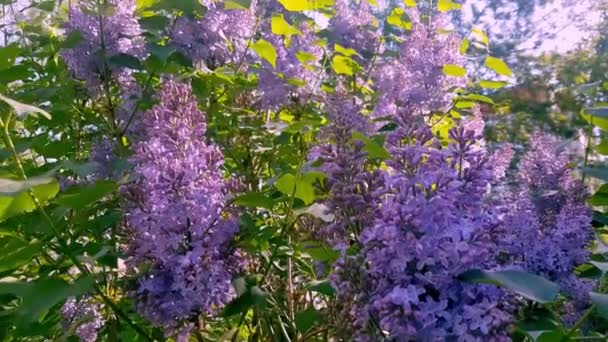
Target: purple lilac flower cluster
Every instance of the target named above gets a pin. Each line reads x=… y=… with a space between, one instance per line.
x=84 y=316
x=415 y=80
x=220 y=37
x=182 y=234
x=297 y=76
x=355 y=26
x=107 y=31
x=429 y=218
x=343 y=159
x=547 y=230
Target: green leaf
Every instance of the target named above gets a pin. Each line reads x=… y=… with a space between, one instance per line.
x=399 y=18
x=280 y=26
x=601 y=302
x=286 y=184
x=80 y=197
x=479 y=98
x=343 y=65
x=22 y=203
x=10 y=187
x=345 y=51
x=72 y=40
x=602 y=148
x=255 y=200
x=307 y=319
x=155 y=22
x=601 y=266
x=15 y=73
x=448 y=5
x=499 y=66
x=8 y=54
x=22 y=110
x=374 y=150
x=410 y=3
x=464 y=46
x=39 y=296
x=305 y=57
x=525 y=284
x=237 y=4
x=595 y=120
x=492 y=84
x=454 y=70
x=253 y=296
x=480 y=36
x=266 y=51
x=305 y=5
x=321 y=286
x=303 y=189
x=127 y=61
x=16 y=252
x=600 y=198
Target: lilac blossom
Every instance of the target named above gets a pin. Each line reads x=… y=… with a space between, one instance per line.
x=181 y=232
x=350 y=185
x=297 y=76
x=221 y=36
x=547 y=230
x=103 y=36
x=84 y=317
x=433 y=226
x=355 y=26
x=415 y=80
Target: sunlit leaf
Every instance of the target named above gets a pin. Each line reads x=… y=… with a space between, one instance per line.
x=454 y=70
x=345 y=51
x=448 y=5
x=492 y=84
x=399 y=18
x=280 y=26
x=305 y=5
x=345 y=65
x=22 y=110
x=10 y=187
x=266 y=50
x=498 y=65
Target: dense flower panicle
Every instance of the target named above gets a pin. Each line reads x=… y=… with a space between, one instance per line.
x=355 y=26
x=220 y=37
x=350 y=186
x=501 y=160
x=103 y=36
x=415 y=80
x=180 y=229
x=297 y=77
x=433 y=226
x=85 y=316
x=547 y=230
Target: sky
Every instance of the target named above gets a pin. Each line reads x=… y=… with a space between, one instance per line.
x=561 y=18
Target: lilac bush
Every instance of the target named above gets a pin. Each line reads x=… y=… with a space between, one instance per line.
x=321 y=171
